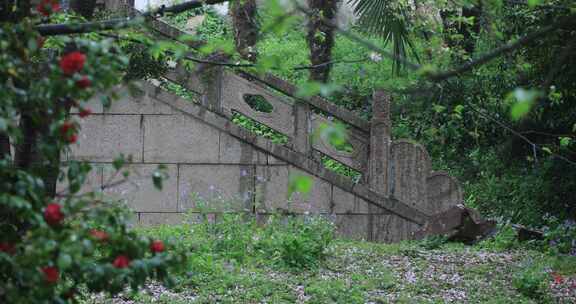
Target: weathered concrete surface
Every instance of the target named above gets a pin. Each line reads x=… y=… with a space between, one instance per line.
x=179 y=139
x=139 y=191
x=103 y=137
x=216 y=188
x=160 y=218
x=233 y=151
x=272 y=192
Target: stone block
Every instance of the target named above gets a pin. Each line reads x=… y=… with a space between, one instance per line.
x=390 y=228
x=102 y=138
x=157 y=218
x=234 y=151
x=272 y=192
x=275 y=161
x=353 y=226
x=179 y=139
x=139 y=191
x=216 y=188
x=346 y=202
x=138 y=100
x=93 y=181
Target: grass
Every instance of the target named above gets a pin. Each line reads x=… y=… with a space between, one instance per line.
x=298 y=260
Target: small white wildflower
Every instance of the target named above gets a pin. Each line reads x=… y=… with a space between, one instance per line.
x=375 y=57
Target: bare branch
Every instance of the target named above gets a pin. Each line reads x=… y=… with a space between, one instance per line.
x=88 y=27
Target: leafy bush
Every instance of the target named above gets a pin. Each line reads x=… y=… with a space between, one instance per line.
x=57 y=240
x=532 y=282
x=284 y=241
x=560 y=236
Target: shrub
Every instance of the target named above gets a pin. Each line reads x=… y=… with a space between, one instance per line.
x=532 y=282
x=53 y=243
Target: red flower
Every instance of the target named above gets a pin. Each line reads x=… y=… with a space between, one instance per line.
x=157 y=246
x=67 y=130
x=558 y=279
x=53 y=215
x=47 y=7
x=83 y=82
x=85 y=112
x=72 y=62
x=121 y=261
x=51 y=274
x=7 y=248
x=99 y=235
x=72 y=138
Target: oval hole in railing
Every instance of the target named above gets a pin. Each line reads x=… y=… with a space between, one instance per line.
x=258 y=103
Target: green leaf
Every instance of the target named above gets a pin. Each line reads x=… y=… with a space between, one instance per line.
x=118 y=162
x=300 y=183
x=438 y=108
x=308 y=89
x=3 y=125
x=64 y=261
x=547 y=150
x=523 y=100
x=565 y=141
x=533 y=3
x=157 y=180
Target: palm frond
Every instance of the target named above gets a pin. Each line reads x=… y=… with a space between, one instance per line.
x=387 y=20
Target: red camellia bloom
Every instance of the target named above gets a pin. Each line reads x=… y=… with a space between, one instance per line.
x=67 y=130
x=85 y=112
x=51 y=274
x=47 y=7
x=99 y=235
x=121 y=261
x=72 y=138
x=72 y=62
x=7 y=248
x=53 y=215
x=157 y=246
x=84 y=82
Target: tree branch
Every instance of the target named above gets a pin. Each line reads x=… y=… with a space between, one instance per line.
x=88 y=27
x=436 y=77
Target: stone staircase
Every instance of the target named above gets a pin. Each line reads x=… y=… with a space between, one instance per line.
x=214 y=161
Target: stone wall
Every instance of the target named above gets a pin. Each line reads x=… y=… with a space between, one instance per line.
x=210 y=169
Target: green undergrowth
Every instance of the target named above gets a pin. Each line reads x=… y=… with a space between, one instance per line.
x=235 y=259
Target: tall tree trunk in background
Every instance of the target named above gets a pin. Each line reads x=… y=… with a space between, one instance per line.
x=469 y=32
x=321 y=37
x=244 y=18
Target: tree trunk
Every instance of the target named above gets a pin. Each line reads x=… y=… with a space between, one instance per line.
x=244 y=18
x=85 y=8
x=321 y=37
x=7 y=12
